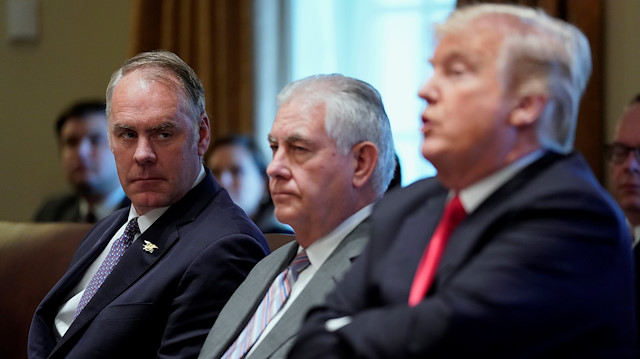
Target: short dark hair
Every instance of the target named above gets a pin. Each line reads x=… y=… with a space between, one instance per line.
x=79 y=109
x=242 y=141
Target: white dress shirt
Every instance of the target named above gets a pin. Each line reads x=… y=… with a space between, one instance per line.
x=473 y=196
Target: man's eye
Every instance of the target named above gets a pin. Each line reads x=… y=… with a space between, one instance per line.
x=164 y=135
x=456 y=69
x=128 y=135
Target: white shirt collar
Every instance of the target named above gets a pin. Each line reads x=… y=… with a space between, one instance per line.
x=472 y=196
x=321 y=249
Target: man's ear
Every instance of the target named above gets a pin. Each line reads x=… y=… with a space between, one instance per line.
x=366 y=158
x=528 y=110
x=204 y=134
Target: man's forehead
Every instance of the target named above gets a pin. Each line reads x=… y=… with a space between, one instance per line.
x=473 y=46
x=629 y=124
x=627 y=131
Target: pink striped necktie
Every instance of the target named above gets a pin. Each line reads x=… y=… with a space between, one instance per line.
x=116 y=251
x=453 y=213
x=272 y=302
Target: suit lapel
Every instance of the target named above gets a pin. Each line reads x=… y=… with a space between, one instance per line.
x=459 y=247
x=314 y=293
x=416 y=229
x=135 y=262
x=245 y=301
x=79 y=267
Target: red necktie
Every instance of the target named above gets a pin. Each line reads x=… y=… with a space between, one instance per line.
x=453 y=214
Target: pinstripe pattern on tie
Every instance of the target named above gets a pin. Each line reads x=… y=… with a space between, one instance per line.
x=113 y=257
x=272 y=302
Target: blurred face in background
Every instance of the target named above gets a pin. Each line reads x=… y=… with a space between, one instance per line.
x=87 y=161
x=625 y=164
x=234 y=167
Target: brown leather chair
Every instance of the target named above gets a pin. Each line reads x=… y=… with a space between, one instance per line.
x=33 y=256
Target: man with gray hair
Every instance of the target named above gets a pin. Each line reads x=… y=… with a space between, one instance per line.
x=149 y=280
x=514 y=250
x=332 y=159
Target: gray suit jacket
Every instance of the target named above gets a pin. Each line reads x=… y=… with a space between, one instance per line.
x=239 y=309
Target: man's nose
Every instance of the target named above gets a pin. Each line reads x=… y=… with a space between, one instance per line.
x=144 y=151
x=278 y=167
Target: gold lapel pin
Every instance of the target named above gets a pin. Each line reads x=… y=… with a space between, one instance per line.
x=149 y=247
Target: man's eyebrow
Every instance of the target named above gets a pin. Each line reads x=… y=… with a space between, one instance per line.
x=450 y=56
x=162 y=126
x=122 y=126
x=290 y=139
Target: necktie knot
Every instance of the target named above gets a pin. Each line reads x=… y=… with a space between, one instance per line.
x=453 y=213
x=132 y=229
x=299 y=263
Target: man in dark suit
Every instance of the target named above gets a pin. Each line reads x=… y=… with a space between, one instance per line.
x=531 y=258
x=332 y=158
x=624 y=166
x=149 y=280
x=89 y=167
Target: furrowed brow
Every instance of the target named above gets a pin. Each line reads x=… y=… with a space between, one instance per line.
x=162 y=126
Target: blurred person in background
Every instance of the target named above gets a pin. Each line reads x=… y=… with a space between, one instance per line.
x=88 y=165
x=238 y=165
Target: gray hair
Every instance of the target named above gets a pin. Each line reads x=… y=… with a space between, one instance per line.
x=540 y=55
x=354 y=113
x=167 y=67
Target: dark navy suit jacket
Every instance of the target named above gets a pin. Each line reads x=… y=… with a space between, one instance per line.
x=541 y=269
x=159 y=304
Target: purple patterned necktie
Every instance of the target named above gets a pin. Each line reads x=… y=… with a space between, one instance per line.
x=272 y=302
x=116 y=251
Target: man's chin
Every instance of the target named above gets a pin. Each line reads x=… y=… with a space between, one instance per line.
x=285 y=216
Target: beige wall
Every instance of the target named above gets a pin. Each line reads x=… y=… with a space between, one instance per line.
x=622 y=59
x=82 y=42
